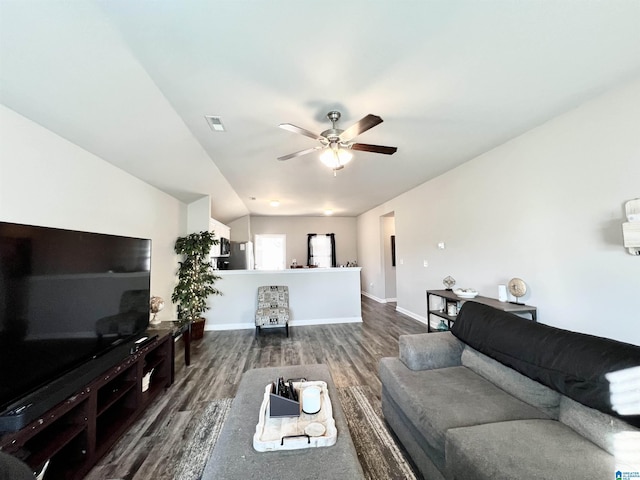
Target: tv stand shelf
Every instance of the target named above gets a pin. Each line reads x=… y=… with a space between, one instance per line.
x=116 y=394
x=74 y=434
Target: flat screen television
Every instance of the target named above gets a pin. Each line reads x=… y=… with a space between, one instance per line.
x=70 y=303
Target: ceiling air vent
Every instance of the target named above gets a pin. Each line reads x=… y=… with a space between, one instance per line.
x=215 y=123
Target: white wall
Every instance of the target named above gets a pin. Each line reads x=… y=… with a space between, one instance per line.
x=297 y=228
x=46 y=180
x=241 y=229
x=199 y=215
x=546 y=207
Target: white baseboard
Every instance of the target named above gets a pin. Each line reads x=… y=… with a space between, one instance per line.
x=404 y=311
x=229 y=326
x=408 y=313
x=324 y=321
x=372 y=297
x=293 y=323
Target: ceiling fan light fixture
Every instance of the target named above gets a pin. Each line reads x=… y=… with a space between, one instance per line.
x=336 y=144
x=336 y=158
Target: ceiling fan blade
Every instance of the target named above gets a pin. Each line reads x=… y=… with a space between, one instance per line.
x=301 y=131
x=300 y=153
x=364 y=147
x=363 y=125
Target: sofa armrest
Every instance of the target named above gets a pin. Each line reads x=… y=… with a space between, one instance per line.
x=427 y=351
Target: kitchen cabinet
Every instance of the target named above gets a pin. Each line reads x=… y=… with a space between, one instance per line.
x=220 y=229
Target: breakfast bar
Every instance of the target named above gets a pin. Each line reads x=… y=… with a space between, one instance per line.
x=317 y=296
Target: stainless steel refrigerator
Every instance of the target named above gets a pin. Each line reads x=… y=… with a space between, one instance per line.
x=241 y=256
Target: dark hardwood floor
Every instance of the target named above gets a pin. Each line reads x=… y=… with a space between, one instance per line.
x=352 y=351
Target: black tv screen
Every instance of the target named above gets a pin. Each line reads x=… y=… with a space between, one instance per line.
x=66 y=297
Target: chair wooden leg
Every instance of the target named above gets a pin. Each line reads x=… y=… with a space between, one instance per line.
x=287 y=328
x=257 y=330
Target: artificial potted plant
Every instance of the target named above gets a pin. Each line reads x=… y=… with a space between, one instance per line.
x=196 y=279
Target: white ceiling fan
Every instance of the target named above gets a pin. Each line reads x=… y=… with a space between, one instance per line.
x=337 y=143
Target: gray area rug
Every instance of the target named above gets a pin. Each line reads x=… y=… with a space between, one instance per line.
x=379 y=455
x=199 y=446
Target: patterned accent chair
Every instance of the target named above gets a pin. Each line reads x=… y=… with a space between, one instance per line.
x=273 y=307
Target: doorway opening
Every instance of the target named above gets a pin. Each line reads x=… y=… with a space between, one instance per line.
x=389 y=259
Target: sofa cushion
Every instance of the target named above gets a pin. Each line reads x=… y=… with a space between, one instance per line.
x=412 y=439
x=512 y=382
x=437 y=400
x=430 y=350
x=597 y=426
x=571 y=363
x=540 y=449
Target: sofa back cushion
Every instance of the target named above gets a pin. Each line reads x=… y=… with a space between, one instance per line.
x=571 y=363
x=426 y=351
x=518 y=385
x=602 y=429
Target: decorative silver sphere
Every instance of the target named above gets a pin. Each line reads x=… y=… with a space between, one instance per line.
x=449 y=282
x=156 y=304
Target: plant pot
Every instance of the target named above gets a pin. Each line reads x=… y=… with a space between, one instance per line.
x=197 y=329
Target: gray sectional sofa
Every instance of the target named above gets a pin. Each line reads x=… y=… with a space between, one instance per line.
x=501 y=397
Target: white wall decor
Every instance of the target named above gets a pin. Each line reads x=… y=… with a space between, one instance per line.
x=631 y=228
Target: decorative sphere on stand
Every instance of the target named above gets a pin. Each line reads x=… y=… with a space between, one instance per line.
x=449 y=282
x=155 y=305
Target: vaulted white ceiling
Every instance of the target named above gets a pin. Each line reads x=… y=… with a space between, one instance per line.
x=131 y=82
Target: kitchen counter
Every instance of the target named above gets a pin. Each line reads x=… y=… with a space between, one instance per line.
x=317 y=296
x=290 y=270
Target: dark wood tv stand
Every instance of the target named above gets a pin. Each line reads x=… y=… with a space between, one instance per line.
x=74 y=434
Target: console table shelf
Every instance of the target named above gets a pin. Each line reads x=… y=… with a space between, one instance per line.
x=74 y=434
x=448 y=297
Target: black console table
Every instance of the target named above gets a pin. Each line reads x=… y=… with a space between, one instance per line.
x=451 y=298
